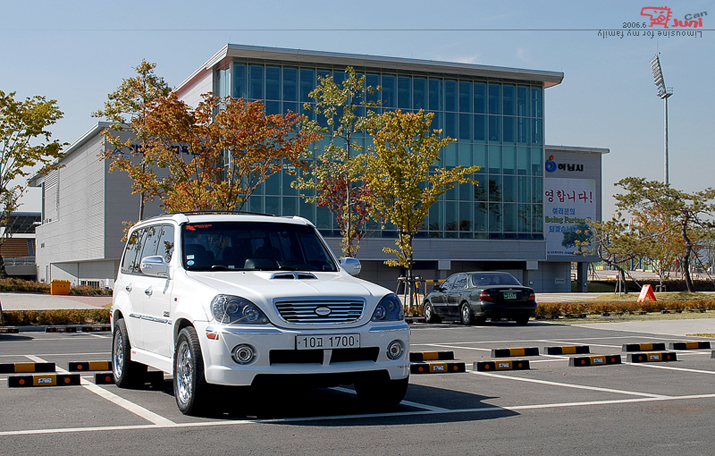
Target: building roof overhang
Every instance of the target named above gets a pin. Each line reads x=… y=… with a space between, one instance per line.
x=230 y=51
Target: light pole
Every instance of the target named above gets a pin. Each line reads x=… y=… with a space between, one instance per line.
x=664 y=93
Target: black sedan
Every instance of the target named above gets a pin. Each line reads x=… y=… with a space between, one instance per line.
x=473 y=297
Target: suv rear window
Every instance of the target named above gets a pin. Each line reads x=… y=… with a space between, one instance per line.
x=253 y=246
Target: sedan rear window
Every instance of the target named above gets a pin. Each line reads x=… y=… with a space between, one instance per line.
x=481 y=280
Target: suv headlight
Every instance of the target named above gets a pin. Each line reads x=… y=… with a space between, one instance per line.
x=232 y=309
x=389 y=309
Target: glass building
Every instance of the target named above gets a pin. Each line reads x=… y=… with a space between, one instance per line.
x=496 y=115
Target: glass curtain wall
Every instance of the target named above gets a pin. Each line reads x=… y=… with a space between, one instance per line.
x=498 y=126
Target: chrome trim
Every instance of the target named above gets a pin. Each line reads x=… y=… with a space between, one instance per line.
x=243 y=330
x=390 y=328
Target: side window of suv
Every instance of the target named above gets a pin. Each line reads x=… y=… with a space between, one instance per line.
x=151 y=241
x=130 y=262
x=165 y=246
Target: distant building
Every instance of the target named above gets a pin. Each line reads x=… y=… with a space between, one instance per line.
x=495 y=113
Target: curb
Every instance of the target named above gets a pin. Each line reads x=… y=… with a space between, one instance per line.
x=643 y=347
x=16 y=368
x=437 y=368
x=652 y=357
x=568 y=350
x=506 y=352
x=693 y=345
x=594 y=360
x=431 y=356
x=511 y=364
x=25 y=381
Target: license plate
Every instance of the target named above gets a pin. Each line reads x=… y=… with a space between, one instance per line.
x=327 y=342
x=509 y=295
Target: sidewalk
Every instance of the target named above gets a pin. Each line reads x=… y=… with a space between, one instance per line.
x=36 y=301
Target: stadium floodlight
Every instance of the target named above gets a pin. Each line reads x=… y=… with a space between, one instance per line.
x=663 y=93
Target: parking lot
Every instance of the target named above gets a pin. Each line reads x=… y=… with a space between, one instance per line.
x=627 y=408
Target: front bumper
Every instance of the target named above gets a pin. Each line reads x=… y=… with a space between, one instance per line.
x=276 y=354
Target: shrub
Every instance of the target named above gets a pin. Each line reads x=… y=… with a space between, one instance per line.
x=563 y=308
x=56 y=317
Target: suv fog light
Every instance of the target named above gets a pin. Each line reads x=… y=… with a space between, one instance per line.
x=243 y=354
x=395 y=349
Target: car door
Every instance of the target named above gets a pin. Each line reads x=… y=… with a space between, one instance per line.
x=455 y=295
x=126 y=290
x=156 y=318
x=439 y=298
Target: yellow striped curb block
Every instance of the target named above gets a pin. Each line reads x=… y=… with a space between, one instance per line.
x=104 y=378
x=568 y=350
x=509 y=364
x=436 y=367
x=8 y=330
x=16 y=368
x=431 y=356
x=507 y=352
x=643 y=347
x=652 y=357
x=96 y=328
x=594 y=360
x=90 y=366
x=692 y=345
x=23 y=381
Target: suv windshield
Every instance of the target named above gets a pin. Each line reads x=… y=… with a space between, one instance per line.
x=253 y=246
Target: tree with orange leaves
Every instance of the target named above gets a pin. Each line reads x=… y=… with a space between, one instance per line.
x=212 y=157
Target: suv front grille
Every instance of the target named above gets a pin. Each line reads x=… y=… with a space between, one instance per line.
x=320 y=312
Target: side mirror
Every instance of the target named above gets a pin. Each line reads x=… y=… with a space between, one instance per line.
x=437 y=288
x=154 y=266
x=351 y=265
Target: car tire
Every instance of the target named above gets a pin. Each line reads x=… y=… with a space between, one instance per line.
x=190 y=388
x=429 y=313
x=465 y=314
x=522 y=321
x=126 y=372
x=381 y=393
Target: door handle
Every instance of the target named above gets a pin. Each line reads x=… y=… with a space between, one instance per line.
x=148 y=292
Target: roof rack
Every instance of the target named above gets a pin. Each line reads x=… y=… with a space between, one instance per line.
x=220 y=212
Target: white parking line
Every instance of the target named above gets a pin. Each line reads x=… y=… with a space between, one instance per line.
x=408 y=403
x=681 y=369
x=491 y=409
x=113 y=398
x=569 y=385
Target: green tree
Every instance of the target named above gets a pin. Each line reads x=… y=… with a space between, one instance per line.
x=616 y=244
x=683 y=212
x=127 y=108
x=25 y=145
x=404 y=179
x=344 y=115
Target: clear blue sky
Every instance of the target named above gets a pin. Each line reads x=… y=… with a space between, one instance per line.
x=78 y=51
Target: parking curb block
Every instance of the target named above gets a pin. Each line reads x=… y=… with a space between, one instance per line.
x=24 y=381
x=104 y=378
x=61 y=329
x=90 y=366
x=506 y=352
x=431 y=356
x=568 y=350
x=594 y=360
x=17 y=368
x=6 y=330
x=434 y=367
x=96 y=328
x=510 y=364
x=692 y=345
x=643 y=347
x=652 y=357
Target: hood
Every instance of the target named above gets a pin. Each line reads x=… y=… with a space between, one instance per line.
x=266 y=286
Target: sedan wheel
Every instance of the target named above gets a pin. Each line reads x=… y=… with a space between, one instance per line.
x=429 y=313
x=465 y=314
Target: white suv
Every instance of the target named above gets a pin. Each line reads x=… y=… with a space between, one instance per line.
x=227 y=299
